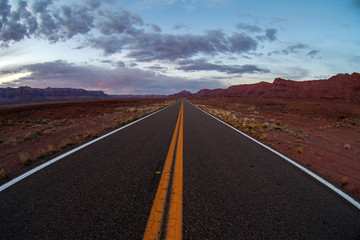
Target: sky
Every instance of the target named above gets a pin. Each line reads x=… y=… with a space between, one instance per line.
x=166 y=46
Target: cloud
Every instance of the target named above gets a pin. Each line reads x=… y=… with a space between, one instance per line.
x=271 y=34
x=178 y=26
x=93 y=3
x=291 y=49
x=118 y=64
x=40 y=6
x=114 y=31
x=146 y=47
x=312 y=53
x=74 y=20
x=121 y=21
x=249 y=28
x=114 y=81
x=15 y=25
x=43 y=20
x=158 y=68
x=203 y=65
x=155 y=28
x=295 y=73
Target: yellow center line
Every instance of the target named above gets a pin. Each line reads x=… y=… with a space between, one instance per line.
x=174 y=226
x=155 y=221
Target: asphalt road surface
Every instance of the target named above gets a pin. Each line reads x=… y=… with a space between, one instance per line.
x=232 y=188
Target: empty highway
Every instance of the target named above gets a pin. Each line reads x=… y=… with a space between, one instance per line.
x=177 y=174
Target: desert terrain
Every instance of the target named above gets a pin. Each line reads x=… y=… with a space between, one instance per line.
x=31 y=134
x=322 y=135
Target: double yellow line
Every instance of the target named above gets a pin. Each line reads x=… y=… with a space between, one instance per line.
x=155 y=222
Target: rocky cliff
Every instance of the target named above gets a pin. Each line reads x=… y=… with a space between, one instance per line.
x=341 y=86
x=28 y=94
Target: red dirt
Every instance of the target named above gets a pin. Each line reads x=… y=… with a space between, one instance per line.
x=322 y=135
x=41 y=131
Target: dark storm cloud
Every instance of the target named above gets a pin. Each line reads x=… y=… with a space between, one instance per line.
x=312 y=53
x=116 y=81
x=291 y=49
x=249 y=28
x=203 y=65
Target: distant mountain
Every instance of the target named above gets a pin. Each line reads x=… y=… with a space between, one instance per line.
x=341 y=86
x=181 y=94
x=138 y=96
x=28 y=94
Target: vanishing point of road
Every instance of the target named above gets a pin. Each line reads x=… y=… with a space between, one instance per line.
x=177 y=174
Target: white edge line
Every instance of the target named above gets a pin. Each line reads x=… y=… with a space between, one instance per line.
x=320 y=179
x=38 y=168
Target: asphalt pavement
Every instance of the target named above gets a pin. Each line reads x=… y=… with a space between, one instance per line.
x=233 y=188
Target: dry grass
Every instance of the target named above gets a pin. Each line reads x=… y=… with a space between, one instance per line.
x=3 y=173
x=41 y=154
x=24 y=158
x=300 y=149
x=344 y=181
x=66 y=143
x=51 y=149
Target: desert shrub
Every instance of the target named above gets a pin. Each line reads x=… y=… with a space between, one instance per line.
x=41 y=154
x=51 y=149
x=344 y=181
x=38 y=132
x=24 y=158
x=30 y=136
x=66 y=143
x=3 y=173
x=300 y=149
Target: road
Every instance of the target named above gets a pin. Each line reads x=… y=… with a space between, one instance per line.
x=225 y=185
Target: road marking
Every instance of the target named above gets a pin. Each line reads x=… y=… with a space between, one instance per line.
x=174 y=226
x=157 y=214
x=25 y=175
x=320 y=179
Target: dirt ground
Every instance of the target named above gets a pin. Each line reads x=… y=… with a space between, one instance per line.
x=33 y=133
x=324 y=136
